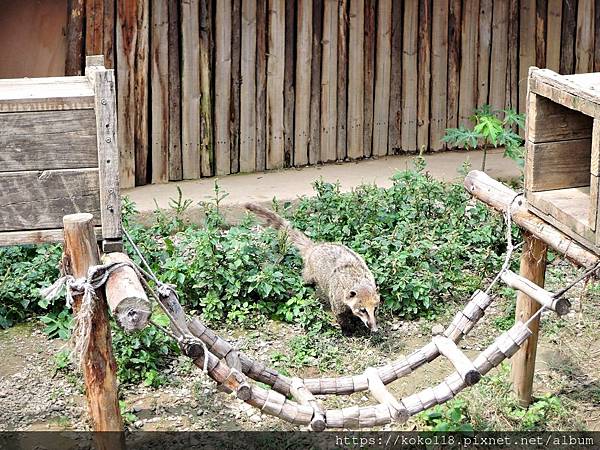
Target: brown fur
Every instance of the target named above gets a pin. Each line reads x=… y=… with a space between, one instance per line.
x=340 y=273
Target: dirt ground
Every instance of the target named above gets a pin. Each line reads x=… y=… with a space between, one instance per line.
x=35 y=396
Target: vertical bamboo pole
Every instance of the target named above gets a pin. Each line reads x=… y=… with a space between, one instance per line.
x=533 y=267
x=99 y=366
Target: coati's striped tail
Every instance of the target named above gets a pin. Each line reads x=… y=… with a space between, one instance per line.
x=299 y=239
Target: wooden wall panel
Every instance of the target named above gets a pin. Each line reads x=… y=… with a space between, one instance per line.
x=424 y=68
x=484 y=50
x=584 y=43
x=303 y=77
x=248 y=88
x=409 y=76
x=222 y=87
x=329 y=81
x=468 y=67
x=381 y=109
x=498 y=72
x=439 y=73
x=454 y=30
x=395 y=117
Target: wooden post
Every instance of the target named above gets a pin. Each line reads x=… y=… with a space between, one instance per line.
x=99 y=366
x=533 y=267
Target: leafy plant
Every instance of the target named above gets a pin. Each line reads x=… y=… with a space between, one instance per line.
x=310 y=349
x=62 y=360
x=451 y=417
x=127 y=414
x=58 y=324
x=538 y=413
x=142 y=355
x=490 y=129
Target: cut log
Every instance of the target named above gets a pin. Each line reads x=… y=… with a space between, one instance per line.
x=561 y=305
x=499 y=196
x=459 y=360
x=125 y=295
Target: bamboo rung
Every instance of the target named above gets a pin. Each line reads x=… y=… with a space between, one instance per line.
x=382 y=395
x=305 y=397
x=274 y=403
x=561 y=306
x=459 y=360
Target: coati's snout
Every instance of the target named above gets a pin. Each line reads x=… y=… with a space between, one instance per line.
x=364 y=302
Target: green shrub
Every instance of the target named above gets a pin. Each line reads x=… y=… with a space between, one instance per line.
x=451 y=417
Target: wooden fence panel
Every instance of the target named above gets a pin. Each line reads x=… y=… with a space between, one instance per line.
x=211 y=87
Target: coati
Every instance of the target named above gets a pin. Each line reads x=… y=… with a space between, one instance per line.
x=340 y=273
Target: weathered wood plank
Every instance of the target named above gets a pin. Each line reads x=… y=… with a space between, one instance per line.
x=548 y=121
x=33 y=200
x=108 y=154
x=369 y=18
x=454 y=30
x=159 y=76
x=289 y=99
x=275 y=75
x=45 y=94
x=132 y=90
x=94 y=30
x=584 y=43
x=314 y=149
x=569 y=160
x=109 y=33
x=48 y=140
x=381 y=109
x=234 y=106
x=342 y=80
x=248 y=88
x=541 y=17
x=329 y=82
x=395 y=116
x=568 y=34
x=424 y=78
x=526 y=47
x=303 y=76
x=483 y=54
x=439 y=74
x=468 y=67
x=512 y=76
x=35 y=237
x=261 y=84
x=409 y=76
x=190 y=90
x=553 y=34
x=356 y=74
x=207 y=158
x=174 y=96
x=499 y=56
x=596 y=38
x=222 y=87
x=74 y=59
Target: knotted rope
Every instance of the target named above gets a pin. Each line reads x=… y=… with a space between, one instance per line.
x=86 y=287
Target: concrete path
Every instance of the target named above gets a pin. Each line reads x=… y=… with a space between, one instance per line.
x=289 y=184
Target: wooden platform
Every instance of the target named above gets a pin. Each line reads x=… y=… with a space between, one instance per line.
x=562 y=167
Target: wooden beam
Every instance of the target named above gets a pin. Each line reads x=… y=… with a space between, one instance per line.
x=395 y=116
x=289 y=98
x=98 y=364
x=329 y=81
x=584 y=44
x=533 y=268
x=553 y=34
x=342 y=80
x=454 y=29
x=439 y=74
x=468 y=57
x=368 y=19
x=314 y=149
x=275 y=75
x=560 y=306
x=174 y=96
x=381 y=109
x=424 y=77
x=409 y=76
x=499 y=196
x=497 y=99
x=207 y=151
x=261 y=84
x=568 y=34
x=236 y=81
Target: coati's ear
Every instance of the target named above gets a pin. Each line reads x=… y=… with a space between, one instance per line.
x=352 y=294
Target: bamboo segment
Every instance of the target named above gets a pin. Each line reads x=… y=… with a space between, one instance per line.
x=459 y=360
x=305 y=397
x=561 y=305
x=396 y=410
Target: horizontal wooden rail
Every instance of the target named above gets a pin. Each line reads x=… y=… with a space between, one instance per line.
x=561 y=305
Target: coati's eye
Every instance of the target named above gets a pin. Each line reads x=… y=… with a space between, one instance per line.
x=352 y=294
x=362 y=310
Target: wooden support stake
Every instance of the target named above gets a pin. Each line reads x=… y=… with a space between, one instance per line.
x=125 y=296
x=459 y=360
x=533 y=268
x=99 y=366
